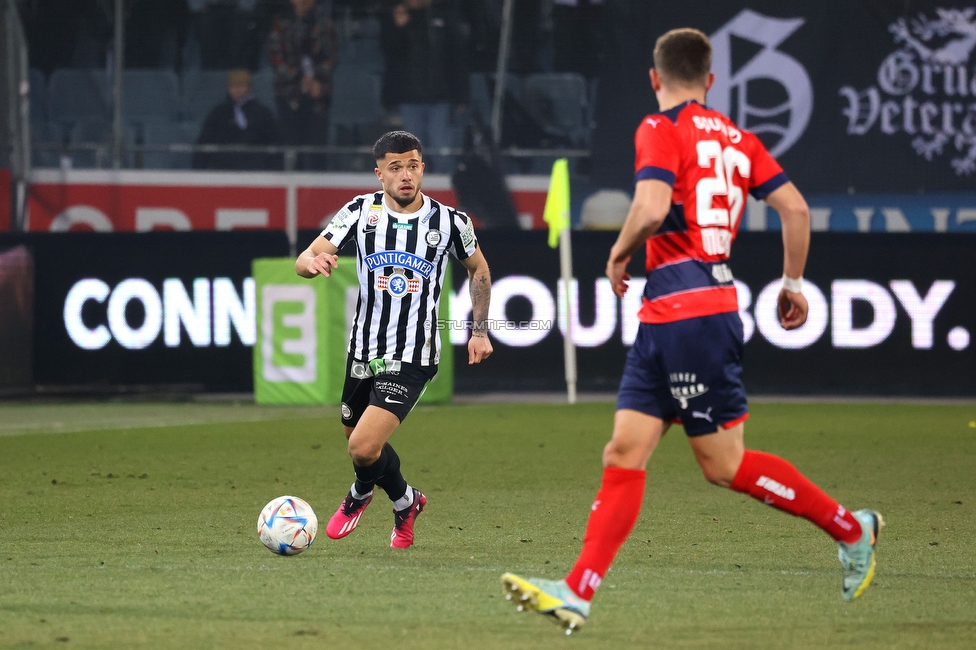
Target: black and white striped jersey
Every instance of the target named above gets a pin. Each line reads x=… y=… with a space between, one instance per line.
x=401 y=260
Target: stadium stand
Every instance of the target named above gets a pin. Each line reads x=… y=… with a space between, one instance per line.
x=96 y=131
x=559 y=101
x=359 y=43
x=48 y=139
x=356 y=105
x=262 y=82
x=548 y=110
x=150 y=96
x=78 y=93
x=38 y=95
x=202 y=90
x=164 y=133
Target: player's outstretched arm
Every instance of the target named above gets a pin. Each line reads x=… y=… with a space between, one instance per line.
x=651 y=204
x=479 y=283
x=318 y=259
x=795 y=215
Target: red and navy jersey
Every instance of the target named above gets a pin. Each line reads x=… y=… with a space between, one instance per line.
x=710 y=164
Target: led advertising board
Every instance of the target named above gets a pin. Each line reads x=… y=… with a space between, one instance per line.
x=890 y=314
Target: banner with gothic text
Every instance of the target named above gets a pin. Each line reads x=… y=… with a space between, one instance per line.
x=851 y=96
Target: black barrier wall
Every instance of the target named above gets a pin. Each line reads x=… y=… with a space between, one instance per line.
x=891 y=314
x=148 y=310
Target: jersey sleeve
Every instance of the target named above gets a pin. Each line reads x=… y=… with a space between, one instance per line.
x=342 y=226
x=463 y=240
x=767 y=175
x=657 y=150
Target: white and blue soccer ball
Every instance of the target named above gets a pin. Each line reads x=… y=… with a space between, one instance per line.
x=287 y=525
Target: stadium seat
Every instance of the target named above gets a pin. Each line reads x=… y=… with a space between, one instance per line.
x=359 y=44
x=161 y=133
x=262 y=83
x=149 y=95
x=559 y=101
x=480 y=96
x=356 y=106
x=51 y=137
x=38 y=95
x=592 y=89
x=77 y=94
x=202 y=90
x=355 y=96
x=97 y=131
x=481 y=90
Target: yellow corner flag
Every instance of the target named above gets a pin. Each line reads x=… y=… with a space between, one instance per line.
x=556 y=213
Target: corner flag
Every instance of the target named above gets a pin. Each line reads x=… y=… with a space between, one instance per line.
x=556 y=213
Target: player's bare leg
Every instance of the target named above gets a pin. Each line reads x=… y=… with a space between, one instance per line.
x=612 y=517
x=720 y=454
x=368 y=437
x=376 y=463
x=725 y=462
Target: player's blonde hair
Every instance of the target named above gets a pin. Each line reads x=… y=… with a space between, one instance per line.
x=683 y=57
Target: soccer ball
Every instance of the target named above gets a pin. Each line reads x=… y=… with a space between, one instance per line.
x=287 y=525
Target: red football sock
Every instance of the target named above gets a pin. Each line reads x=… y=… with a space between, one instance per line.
x=775 y=482
x=612 y=517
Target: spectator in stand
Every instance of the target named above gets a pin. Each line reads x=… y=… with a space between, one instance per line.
x=426 y=79
x=303 y=47
x=221 y=27
x=239 y=119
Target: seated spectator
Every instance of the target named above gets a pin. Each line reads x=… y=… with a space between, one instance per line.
x=239 y=119
x=303 y=50
x=426 y=79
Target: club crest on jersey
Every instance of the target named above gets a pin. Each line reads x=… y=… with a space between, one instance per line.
x=401 y=259
x=374 y=217
x=433 y=237
x=397 y=284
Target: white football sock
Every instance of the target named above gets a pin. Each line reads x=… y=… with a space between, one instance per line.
x=356 y=495
x=405 y=501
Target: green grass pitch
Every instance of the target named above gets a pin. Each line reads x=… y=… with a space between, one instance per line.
x=127 y=525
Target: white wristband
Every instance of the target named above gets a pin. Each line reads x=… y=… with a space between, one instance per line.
x=793 y=285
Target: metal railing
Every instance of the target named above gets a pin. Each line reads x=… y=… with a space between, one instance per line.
x=105 y=158
x=18 y=109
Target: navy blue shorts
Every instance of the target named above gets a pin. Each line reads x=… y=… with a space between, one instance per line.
x=689 y=372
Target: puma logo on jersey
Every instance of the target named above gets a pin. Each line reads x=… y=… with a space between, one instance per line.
x=653 y=122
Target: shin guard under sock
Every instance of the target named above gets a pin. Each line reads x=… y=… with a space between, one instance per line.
x=368 y=475
x=612 y=517
x=392 y=480
x=777 y=483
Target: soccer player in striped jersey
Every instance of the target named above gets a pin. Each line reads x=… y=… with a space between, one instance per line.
x=693 y=169
x=402 y=239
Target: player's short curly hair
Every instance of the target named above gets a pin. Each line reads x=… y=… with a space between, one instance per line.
x=683 y=57
x=396 y=142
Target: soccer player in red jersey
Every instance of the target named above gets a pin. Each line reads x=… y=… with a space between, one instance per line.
x=693 y=169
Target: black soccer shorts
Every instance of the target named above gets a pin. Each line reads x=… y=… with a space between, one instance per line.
x=393 y=386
